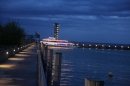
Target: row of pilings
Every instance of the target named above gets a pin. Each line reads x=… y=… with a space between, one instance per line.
x=103 y=46
x=51 y=65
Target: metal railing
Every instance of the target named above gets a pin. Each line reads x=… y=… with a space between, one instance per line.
x=46 y=57
x=41 y=74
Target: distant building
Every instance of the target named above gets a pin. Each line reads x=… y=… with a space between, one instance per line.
x=56 y=30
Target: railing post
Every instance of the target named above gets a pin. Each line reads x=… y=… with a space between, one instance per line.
x=93 y=83
x=42 y=51
x=57 y=69
x=45 y=60
x=42 y=48
x=49 y=67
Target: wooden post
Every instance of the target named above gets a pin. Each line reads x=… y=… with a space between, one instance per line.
x=49 y=67
x=93 y=83
x=57 y=69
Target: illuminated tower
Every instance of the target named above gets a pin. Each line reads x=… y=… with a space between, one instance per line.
x=56 y=30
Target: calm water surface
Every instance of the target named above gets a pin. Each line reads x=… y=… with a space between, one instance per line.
x=95 y=64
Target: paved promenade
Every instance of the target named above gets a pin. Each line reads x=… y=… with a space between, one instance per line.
x=21 y=69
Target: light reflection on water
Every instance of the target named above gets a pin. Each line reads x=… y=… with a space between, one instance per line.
x=95 y=64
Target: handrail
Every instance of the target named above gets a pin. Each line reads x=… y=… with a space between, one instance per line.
x=41 y=74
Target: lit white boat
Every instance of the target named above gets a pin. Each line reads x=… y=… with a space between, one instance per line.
x=51 y=41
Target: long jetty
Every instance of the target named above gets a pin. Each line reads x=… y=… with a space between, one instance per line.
x=103 y=46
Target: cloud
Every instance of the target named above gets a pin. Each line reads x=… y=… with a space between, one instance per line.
x=89 y=18
x=67 y=7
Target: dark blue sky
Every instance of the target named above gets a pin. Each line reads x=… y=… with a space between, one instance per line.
x=106 y=21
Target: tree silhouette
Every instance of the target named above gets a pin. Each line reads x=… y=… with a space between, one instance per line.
x=11 y=34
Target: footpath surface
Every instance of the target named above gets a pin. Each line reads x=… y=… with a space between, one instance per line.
x=21 y=69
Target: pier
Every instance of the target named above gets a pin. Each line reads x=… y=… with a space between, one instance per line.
x=103 y=46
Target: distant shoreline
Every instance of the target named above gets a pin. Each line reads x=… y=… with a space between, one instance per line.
x=119 y=44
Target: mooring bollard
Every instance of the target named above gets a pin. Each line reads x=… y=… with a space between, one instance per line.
x=93 y=83
x=57 y=69
x=49 y=67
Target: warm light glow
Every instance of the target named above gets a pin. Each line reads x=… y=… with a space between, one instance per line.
x=6 y=66
x=14 y=49
x=21 y=47
x=18 y=48
x=83 y=44
x=109 y=46
x=15 y=58
x=121 y=46
x=96 y=45
x=89 y=44
x=7 y=52
x=77 y=44
x=128 y=47
x=115 y=46
x=22 y=54
x=102 y=45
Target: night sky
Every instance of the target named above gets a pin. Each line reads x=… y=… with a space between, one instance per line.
x=105 y=21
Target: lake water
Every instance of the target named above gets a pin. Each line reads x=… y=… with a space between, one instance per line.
x=95 y=64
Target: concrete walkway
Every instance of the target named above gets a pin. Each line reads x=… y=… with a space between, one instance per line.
x=21 y=69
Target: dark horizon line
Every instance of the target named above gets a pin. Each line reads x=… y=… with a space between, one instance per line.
x=99 y=43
